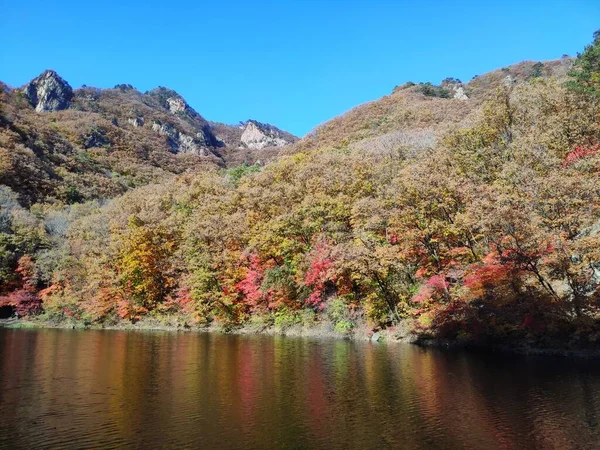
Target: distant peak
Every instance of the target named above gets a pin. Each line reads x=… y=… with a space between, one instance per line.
x=161 y=90
x=125 y=87
x=259 y=135
x=48 y=92
x=49 y=73
x=169 y=99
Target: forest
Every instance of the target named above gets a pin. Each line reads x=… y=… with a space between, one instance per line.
x=487 y=233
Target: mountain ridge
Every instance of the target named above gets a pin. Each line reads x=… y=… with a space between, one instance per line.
x=91 y=133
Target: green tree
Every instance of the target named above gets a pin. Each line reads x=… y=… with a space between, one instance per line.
x=585 y=75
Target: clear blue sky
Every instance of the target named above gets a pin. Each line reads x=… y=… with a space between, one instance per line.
x=291 y=63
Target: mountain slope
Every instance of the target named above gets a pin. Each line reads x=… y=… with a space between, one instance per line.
x=466 y=212
x=417 y=115
x=69 y=145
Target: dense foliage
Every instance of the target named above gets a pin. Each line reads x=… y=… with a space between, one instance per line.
x=491 y=232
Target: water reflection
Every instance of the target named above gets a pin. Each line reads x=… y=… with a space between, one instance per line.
x=159 y=390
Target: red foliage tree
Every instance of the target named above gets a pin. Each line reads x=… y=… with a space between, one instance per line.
x=25 y=300
x=579 y=153
x=319 y=274
x=250 y=286
x=435 y=288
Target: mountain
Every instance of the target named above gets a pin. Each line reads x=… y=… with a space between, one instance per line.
x=464 y=212
x=417 y=115
x=69 y=145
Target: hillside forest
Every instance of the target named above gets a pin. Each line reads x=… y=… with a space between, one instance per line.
x=469 y=218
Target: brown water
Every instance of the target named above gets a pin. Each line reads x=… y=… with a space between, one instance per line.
x=108 y=389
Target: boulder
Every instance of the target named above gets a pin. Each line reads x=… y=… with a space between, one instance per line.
x=376 y=337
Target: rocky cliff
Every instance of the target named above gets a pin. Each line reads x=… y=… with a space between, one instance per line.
x=48 y=92
x=258 y=135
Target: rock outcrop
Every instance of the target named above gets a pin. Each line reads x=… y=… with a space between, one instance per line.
x=176 y=104
x=170 y=100
x=508 y=81
x=455 y=87
x=258 y=135
x=48 y=92
x=459 y=93
x=137 y=121
x=164 y=129
x=181 y=142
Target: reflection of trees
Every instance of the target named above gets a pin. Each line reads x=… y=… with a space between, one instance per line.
x=504 y=402
x=86 y=388
x=589 y=402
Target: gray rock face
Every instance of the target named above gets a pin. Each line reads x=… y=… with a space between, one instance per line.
x=48 y=92
x=165 y=129
x=508 y=81
x=206 y=138
x=180 y=142
x=176 y=105
x=257 y=136
x=456 y=88
x=137 y=122
x=596 y=272
x=170 y=100
x=187 y=144
x=459 y=93
x=593 y=230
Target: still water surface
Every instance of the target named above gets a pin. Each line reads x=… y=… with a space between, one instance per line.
x=115 y=389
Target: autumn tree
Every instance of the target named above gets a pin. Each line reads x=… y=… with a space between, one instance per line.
x=144 y=266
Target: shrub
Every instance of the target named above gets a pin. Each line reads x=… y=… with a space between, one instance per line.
x=235 y=174
x=537 y=70
x=285 y=318
x=340 y=315
x=24 y=301
x=430 y=90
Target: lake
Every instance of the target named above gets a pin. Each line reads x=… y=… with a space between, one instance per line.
x=114 y=389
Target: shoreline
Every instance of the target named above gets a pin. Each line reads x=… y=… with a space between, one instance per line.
x=321 y=332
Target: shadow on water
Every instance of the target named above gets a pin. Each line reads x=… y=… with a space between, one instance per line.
x=64 y=388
